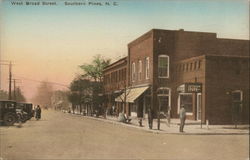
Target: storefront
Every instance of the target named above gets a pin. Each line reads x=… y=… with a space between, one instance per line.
x=136 y=98
x=189 y=95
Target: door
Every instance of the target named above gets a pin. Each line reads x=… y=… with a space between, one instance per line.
x=199 y=105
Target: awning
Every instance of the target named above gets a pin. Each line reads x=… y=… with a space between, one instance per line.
x=131 y=94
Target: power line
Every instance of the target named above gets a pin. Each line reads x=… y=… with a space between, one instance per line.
x=38 y=81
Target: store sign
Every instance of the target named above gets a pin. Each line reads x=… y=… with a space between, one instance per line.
x=181 y=88
x=190 y=88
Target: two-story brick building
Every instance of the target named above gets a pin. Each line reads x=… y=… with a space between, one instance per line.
x=168 y=68
x=115 y=82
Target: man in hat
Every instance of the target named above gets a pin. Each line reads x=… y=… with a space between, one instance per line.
x=182 y=117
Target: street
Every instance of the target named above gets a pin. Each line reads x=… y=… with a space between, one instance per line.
x=65 y=136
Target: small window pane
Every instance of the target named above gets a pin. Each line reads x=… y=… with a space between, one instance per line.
x=163 y=66
x=187 y=101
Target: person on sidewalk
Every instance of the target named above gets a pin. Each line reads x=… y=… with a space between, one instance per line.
x=150 y=118
x=182 y=117
x=38 y=112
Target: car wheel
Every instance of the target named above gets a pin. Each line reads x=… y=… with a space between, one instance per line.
x=9 y=119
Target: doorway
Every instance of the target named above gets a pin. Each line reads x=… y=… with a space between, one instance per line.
x=199 y=105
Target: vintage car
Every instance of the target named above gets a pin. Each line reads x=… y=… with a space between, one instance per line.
x=21 y=110
x=27 y=108
x=8 y=115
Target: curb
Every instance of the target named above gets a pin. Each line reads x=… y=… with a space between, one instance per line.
x=154 y=131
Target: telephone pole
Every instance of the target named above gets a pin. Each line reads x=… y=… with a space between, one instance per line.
x=14 y=90
x=10 y=79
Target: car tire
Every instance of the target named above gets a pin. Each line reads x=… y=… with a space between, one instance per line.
x=9 y=119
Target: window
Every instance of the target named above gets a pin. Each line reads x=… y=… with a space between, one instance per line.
x=186 y=99
x=147 y=68
x=133 y=72
x=195 y=65
x=124 y=74
x=237 y=96
x=199 y=64
x=163 y=66
x=140 y=69
x=164 y=97
x=187 y=67
x=116 y=76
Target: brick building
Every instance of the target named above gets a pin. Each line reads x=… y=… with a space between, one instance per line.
x=115 y=82
x=168 y=68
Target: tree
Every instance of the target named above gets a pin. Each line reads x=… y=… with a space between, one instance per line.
x=95 y=72
x=95 y=69
x=44 y=94
x=19 y=97
x=3 y=95
x=87 y=89
x=81 y=92
x=59 y=100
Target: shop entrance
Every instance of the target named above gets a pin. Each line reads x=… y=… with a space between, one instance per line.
x=164 y=103
x=199 y=105
x=237 y=97
x=163 y=95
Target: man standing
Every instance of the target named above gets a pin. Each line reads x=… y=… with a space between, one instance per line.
x=182 y=117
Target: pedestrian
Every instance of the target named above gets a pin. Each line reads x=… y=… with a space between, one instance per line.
x=182 y=117
x=38 y=112
x=113 y=110
x=150 y=118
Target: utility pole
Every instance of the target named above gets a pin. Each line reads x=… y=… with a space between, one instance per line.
x=14 y=80
x=10 y=79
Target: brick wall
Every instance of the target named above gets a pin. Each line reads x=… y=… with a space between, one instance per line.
x=224 y=75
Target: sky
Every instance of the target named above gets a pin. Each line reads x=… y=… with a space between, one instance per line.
x=50 y=42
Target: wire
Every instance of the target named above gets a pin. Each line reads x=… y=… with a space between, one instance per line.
x=54 y=83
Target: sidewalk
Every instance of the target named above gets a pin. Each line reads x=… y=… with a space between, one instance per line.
x=191 y=127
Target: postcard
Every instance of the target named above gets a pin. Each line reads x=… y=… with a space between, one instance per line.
x=124 y=79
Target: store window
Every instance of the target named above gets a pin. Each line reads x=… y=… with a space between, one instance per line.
x=186 y=99
x=147 y=68
x=163 y=66
x=164 y=95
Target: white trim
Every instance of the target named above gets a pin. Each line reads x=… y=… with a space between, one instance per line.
x=140 y=70
x=168 y=60
x=241 y=93
x=197 y=103
x=163 y=55
x=147 y=68
x=133 y=72
x=166 y=95
x=178 y=103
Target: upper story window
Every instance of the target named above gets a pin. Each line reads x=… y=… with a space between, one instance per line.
x=191 y=66
x=147 y=68
x=199 y=64
x=133 y=72
x=163 y=66
x=237 y=96
x=124 y=74
x=140 y=70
